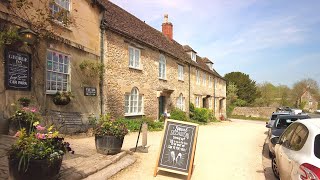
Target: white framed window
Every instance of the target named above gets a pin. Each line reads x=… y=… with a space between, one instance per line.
x=197 y=77
x=134 y=57
x=133 y=103
x=197 y=103
x=180 y=72
x=162 y=67
x=57 y=72
x=180 y=102
x=210 y=102
x=204 y=79
x=210 y=81
x=193 y=56
x=60 y=10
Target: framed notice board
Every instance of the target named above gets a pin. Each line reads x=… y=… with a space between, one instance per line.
x=17 y=70
x=177 y=147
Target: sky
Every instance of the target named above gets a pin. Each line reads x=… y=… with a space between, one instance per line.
x=275 y=41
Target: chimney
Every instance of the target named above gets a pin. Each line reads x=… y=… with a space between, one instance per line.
x=167 y=29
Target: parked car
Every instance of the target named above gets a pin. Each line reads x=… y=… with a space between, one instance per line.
x=297 y=152
x=279 y=125
x=274 y=116
x=296 y=111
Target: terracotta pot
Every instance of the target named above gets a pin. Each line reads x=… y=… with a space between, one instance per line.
x=37 y=169
x=108 y=144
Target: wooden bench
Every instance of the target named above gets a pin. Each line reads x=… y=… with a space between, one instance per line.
x=66 y=122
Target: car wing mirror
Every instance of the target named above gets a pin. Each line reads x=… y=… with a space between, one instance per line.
x=275 y=140
x=268 y=126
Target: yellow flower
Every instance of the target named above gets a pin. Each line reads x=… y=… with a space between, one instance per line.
x=50 y=128
x=36 y=123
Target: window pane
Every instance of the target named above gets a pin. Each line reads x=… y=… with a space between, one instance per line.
x=65 y=87
x=48 y=75
x=59 y=86
x=131 y=56
x=59 y=77
x=49 y=55
x=61 y=68
x=48 y=85
x=137 y=57
x=55 y=67
x=66 y=69
x=54 y=76
x=49 y=65
x=65 y=78
x=66 y=60
x=53 y=85
x=60 y=58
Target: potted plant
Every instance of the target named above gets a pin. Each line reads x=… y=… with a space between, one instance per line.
x=37 y=155
x=109 y=135
x=24 y=118
x=62 y=97
x=24 y=101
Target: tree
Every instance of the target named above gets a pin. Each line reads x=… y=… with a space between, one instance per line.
x=268 y=93
x=301 y=86
x=247 y=89
x=231 y=93
x=284 y=95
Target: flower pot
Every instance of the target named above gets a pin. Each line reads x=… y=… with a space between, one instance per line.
x=37 y=169
x=61 y=101
x=108 y=144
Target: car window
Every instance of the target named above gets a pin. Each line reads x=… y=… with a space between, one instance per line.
x=299 y=137
x=283 y=123
x=317 y=146
x=286 y=136
x=273 y=117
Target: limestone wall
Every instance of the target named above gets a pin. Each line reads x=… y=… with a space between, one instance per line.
x=263 y=112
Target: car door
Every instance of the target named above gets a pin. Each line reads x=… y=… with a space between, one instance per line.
x=282 y=148
x=291 y=157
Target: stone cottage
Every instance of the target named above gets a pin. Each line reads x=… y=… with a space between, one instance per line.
x=67 y=35
x=148 y=73
x=311 y=103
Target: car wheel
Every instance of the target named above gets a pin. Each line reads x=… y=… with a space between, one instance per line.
x=270 y=154
x=275 y=167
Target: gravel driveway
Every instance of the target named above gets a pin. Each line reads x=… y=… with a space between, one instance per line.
x=228 y=150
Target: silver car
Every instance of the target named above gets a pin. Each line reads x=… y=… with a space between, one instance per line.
x=297 y=153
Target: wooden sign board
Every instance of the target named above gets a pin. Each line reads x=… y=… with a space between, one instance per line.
x=177 y=148
x=17 y=70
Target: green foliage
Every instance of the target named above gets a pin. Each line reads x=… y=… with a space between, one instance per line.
x=91 y=69
x=191 y=110
x=268 y=92
x=230 y=109
x=39 y=145
x=9 y=36
x=240 y=103
x=247 y=89
x=203 y=115
x=302 y=104
x=134 y=124
x=232 y=91
x=107 y=127
x=178 y=115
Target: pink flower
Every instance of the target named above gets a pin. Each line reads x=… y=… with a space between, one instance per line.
x=40 y=136
x=33 y=110
x=25 y=108
x=17 y=134
x=40 y=128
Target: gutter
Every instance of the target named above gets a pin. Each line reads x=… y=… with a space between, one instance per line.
x=214 y=97
x=189 y=88
x=101 y=83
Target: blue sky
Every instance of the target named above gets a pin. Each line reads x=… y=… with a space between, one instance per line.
x=271 y=40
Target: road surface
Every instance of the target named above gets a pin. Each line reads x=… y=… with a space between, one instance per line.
x=228 y=150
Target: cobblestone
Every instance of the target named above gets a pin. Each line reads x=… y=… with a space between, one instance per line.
x=5 y=144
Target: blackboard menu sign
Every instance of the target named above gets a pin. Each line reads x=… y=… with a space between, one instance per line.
x=17 y=70
x=178 y=147
x=90 y=91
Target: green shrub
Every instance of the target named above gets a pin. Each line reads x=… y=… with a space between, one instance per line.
x=191 y=109
x=177 y=114
x=202 y=115
x=230 y=109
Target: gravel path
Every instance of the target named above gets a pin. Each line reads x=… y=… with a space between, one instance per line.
x=228 y=150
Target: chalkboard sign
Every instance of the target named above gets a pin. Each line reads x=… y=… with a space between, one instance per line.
x=17 y=70
x=177 y=147
x=90 y=91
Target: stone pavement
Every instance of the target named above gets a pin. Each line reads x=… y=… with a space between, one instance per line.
x=84 y=163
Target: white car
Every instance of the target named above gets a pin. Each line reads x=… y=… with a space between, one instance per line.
x=297 y=153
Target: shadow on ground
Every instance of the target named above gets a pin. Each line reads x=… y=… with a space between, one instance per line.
x=266 y=162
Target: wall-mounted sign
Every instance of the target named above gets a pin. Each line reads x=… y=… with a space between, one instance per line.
x=17 y=70
x=177 y=148
x=90 y=91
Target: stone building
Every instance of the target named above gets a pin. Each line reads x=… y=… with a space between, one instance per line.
x=148 y=73
x=51 y=64
x=311 y=103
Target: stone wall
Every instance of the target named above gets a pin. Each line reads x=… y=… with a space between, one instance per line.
x=263 y=112
x=120 y=78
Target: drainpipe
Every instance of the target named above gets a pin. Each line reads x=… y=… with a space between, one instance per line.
x=102 y=33
x=214 y=97
x=189 y=89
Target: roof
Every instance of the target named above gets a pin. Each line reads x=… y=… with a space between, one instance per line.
x=313 y=121
x=187 y=48
x=122 y=22
x=202 y=63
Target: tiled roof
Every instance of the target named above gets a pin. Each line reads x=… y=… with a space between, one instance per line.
x=187 y=48
x=120 y=21
x=202 y=63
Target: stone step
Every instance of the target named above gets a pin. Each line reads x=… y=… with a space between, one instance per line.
x=112 y=169
x=82 y=167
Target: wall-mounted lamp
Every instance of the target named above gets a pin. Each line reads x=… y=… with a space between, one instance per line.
x=28 y=36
